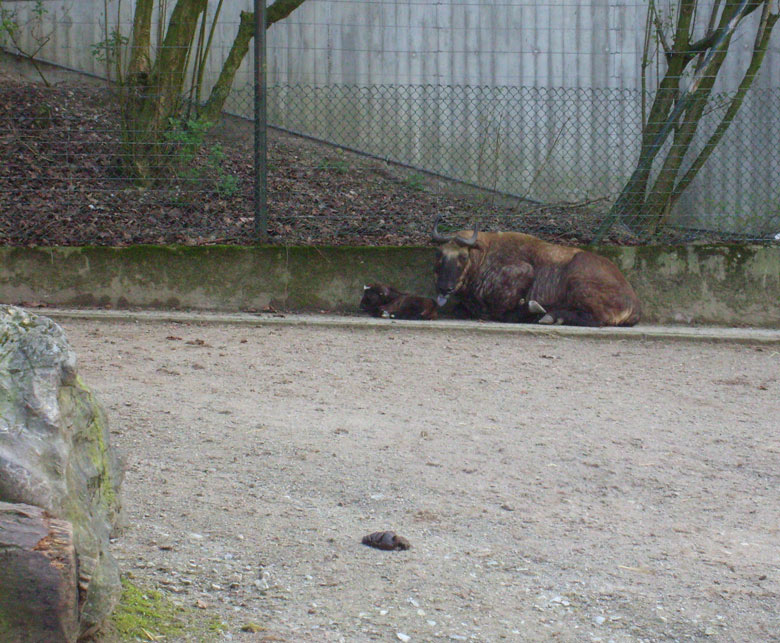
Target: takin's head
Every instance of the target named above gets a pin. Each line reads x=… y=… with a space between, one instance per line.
x=452 y=259
x=376 y=295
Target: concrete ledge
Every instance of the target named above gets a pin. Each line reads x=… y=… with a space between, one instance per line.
x=726 y=285
x=641 y=332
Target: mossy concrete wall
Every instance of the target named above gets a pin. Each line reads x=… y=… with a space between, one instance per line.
x=727 y=285
x=733 y=285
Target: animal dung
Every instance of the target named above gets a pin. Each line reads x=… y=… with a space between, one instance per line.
x=387 y=540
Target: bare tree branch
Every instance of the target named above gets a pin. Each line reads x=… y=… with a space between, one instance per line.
x=280 y=9
x=768 y=21
x=659 y=29
x=710 y=30
x=219 y=93
x=643 y=206
x=711 y=38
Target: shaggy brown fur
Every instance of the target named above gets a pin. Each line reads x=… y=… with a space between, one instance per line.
x=381 y=300
x=411 y=307
x=509 y=276
x=377 y=295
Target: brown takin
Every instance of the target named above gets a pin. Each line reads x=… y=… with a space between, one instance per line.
x=381 y=300
x=509 y=276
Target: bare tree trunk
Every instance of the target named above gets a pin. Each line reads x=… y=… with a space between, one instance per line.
x=140 y=60
x=220 y=91
x=154 y=90
x=630 y=203
x=135 y=93
x=641 y=206
x=768 y=21
x=659 y=199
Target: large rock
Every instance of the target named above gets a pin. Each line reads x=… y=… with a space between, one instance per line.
x=55 y=454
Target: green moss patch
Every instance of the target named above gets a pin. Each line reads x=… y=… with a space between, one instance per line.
x=145 y=614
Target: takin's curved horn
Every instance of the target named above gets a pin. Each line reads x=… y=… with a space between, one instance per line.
x=437 y=236
x=471 y=241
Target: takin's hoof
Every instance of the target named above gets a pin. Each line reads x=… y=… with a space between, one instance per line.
x=386 y=540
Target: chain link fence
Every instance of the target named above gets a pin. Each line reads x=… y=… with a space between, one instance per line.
x=354 y=163
x=546 y=146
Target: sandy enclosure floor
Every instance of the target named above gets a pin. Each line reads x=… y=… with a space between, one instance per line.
x=552 y=488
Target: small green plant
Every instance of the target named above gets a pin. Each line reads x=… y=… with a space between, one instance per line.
x=186 y=138
x=41 y=116
x=186 y=141
x=226 y=184
x=11 y=28
x=329 y=165
x=415 y=181
x=109 y=49
x=8 y=24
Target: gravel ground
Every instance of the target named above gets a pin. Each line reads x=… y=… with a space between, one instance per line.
x=552 y=488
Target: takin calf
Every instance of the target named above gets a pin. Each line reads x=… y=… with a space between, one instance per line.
x=381 y=300
x=514 y=277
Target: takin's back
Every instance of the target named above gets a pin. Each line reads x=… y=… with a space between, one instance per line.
x=587 y=283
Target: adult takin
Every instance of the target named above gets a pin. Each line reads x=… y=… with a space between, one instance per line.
x=514 y=277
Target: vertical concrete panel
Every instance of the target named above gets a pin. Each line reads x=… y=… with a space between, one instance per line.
x=599 y=46
x=557 y=40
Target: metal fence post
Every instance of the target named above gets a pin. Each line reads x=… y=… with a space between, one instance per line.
x=261 y=148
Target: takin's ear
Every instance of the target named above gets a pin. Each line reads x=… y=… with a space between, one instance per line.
x=474 y=252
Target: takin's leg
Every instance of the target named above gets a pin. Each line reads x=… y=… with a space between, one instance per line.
x=569 y=317
x=502 y=292
x=458 y=311
x=397 y=309
x=525 y=313
x=560 y=315
x=601 y=309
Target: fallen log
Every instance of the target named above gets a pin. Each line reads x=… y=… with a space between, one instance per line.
x=38 y=589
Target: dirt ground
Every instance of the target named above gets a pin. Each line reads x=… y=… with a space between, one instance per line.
x=62 y=183
x=563 y=489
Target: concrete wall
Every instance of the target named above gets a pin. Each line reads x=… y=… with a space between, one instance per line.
x=735 y=285
x=481 y=43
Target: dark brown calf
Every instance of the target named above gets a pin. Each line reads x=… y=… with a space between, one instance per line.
x=380 y=300
x=410 y=307
x=377 y=295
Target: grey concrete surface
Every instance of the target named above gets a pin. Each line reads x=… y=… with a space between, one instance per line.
x=640 y=332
